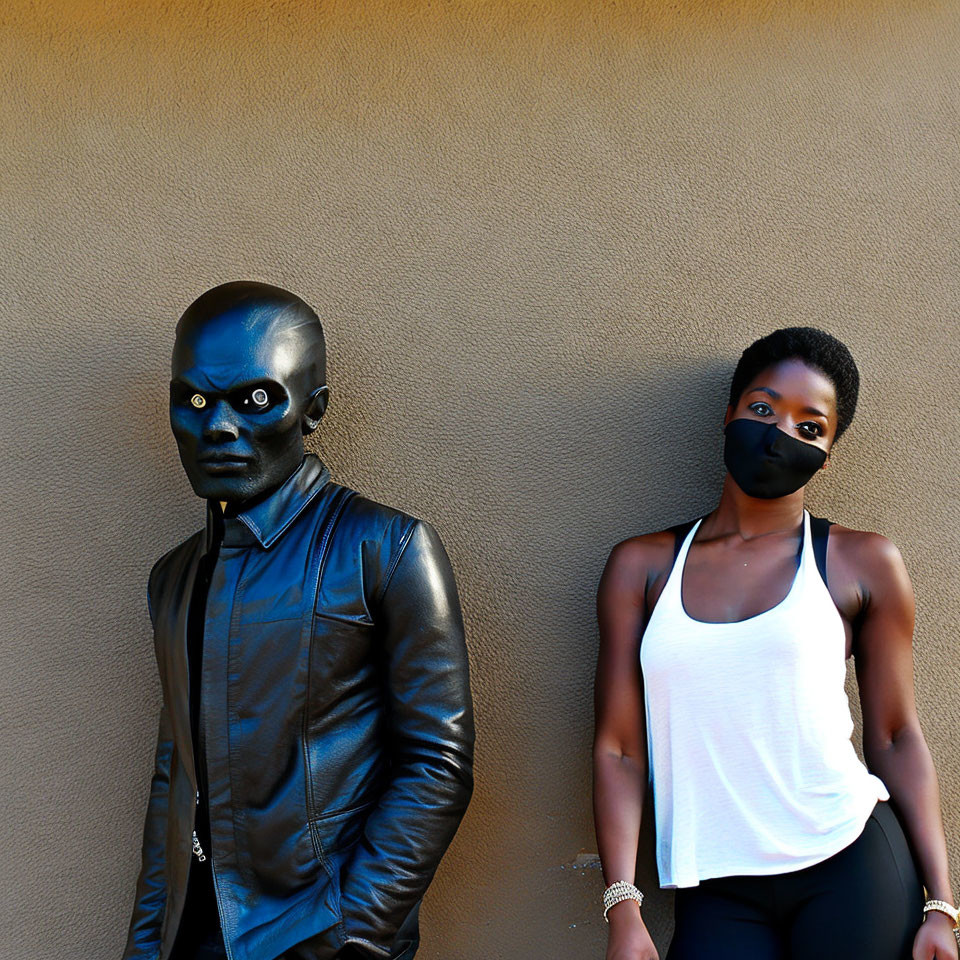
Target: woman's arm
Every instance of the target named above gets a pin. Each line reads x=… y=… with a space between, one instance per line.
x=893 y=744
x=619 y=746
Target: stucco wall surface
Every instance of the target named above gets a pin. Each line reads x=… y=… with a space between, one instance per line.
x=539 y=234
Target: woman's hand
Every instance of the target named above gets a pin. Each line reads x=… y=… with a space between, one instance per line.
x=935 y=940
x=629 y=938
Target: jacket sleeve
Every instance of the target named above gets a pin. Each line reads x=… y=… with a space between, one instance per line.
x=432 y=736
x=143 y=939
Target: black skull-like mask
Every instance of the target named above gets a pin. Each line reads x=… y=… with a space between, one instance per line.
x=248 y=382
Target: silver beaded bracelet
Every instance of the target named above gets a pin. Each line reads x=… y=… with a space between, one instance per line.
x=618 y=891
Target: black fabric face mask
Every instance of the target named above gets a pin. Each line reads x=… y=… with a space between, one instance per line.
x=765 y=462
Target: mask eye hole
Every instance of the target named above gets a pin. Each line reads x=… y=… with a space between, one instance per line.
x=253 y=399
x=198 y=400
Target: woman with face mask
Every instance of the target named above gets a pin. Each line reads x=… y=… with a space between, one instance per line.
x=720 y=679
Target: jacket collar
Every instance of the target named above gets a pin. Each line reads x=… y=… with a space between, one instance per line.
x=267 y=519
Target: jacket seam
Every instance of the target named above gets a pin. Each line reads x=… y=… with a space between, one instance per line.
x=405 y=538
x=341 y=498
x=320 y=551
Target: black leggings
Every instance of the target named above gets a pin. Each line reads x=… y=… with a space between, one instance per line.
x=864 y=901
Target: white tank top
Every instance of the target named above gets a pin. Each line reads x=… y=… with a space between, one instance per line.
x=748 y=734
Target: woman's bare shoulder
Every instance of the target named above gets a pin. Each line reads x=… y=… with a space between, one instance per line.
x=633 y=558
x=868 y=559
x=863 y=545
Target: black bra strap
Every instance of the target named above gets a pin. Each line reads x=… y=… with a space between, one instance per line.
x=680 y=531
x=820 y=529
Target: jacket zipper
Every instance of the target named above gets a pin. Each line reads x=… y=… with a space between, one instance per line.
x=197 y=849
x=201 y=734
x=201 y=856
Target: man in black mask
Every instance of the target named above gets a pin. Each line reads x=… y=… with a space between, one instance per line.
x=315 y=745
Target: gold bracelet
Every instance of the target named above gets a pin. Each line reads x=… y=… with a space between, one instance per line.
x=943 y=907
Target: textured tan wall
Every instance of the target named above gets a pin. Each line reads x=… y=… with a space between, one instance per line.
x=540 y=234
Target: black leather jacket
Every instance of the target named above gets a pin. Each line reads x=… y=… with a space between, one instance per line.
x=337 y=726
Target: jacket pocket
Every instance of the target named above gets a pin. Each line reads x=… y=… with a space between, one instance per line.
x=339 y=829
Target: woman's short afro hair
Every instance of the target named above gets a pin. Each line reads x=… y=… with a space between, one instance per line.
x=813 y=346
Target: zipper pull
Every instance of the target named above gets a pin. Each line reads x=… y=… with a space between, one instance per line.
x=197 y=849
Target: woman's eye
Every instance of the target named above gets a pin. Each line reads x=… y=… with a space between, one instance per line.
x=763 y=412
x=812 y=429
